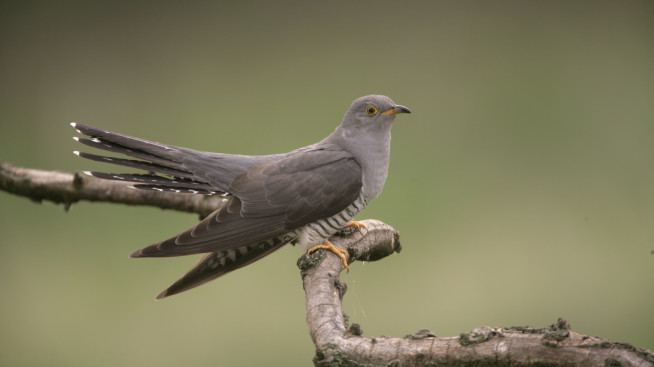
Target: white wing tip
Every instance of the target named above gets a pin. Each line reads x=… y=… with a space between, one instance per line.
x=76 y=152
x=76 y=138
x=88 y=173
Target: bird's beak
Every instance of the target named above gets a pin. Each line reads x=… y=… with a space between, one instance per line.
x=395 y=110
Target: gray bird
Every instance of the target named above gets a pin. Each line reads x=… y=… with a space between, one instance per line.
x=302 y=197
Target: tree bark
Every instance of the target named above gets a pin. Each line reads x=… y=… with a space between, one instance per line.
x=69 y=188
x=338 y=344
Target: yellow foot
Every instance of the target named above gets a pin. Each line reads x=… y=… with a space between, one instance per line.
x=355 y=225
x=340 y=252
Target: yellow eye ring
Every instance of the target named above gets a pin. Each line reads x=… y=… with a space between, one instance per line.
x=371 y=110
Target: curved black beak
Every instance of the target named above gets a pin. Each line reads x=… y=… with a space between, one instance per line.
x=396 y=109
x=401 y=109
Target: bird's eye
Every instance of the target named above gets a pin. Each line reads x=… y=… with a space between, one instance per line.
x=371 y=110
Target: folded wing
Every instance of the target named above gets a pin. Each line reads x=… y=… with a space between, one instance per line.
x=270 y=200
x=269 y=195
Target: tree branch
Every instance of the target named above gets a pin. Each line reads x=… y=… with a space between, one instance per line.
x=338 y=345
x=67 y=189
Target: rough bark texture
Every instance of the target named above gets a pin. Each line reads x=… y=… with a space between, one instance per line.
x=68 y=188
x=338 y=344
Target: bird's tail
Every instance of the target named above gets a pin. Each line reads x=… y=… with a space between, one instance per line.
x=217 y=264
x=164 y=163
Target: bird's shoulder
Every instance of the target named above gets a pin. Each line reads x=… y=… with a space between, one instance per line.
x=307 y=184
x=301 y=161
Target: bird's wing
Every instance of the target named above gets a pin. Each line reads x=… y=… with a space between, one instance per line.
x=272 y=199
x=305 y=186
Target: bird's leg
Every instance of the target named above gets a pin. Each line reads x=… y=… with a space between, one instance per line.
x=355 y=225
x=340 y=252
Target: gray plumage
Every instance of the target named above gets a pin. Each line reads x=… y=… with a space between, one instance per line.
x=303 y=197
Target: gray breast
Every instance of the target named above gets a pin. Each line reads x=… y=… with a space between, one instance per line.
x=375 y=169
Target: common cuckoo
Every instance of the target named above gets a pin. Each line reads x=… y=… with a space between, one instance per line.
x=301 y=197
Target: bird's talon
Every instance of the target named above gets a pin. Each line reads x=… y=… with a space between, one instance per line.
x=340 y=252
x=351 y=227
x=355 y=225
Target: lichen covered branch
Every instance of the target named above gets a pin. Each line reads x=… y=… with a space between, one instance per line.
x=68 y=188
x=338 y=345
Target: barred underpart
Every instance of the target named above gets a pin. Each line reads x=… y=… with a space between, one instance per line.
x=319 y=231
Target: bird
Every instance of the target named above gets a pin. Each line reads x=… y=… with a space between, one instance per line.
x=302 y=197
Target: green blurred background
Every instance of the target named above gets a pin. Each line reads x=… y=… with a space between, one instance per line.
x=523 y=184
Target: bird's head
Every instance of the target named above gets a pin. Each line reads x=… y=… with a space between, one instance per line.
x=372 y=112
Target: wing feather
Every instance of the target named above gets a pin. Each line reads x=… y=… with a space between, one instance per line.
x=270 y=200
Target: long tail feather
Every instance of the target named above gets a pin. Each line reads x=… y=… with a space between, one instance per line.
x=153 y=180
x=152 y=157
x=144 y=165
x=114 y=148
x=160 y=183
x=108 y=140
x=217 y=169
x=179 y=190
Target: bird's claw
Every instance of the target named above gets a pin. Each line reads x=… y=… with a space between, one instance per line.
x=351 y=227
x=340 y=252
x=355 y=225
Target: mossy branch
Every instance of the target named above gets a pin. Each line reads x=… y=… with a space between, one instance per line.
x=336 y=343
